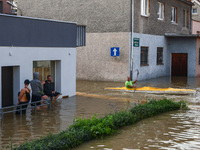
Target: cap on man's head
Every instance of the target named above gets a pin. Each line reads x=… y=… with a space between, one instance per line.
x=26 y=82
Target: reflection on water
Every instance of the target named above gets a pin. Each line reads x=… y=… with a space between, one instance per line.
x=174 y=130
x=32 y=126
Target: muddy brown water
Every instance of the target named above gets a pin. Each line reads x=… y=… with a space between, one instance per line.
x=173 y=130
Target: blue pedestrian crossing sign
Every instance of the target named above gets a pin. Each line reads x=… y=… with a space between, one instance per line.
x=114 y=51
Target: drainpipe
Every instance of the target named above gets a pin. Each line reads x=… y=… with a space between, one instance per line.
x=132 y=30
x=190 y=20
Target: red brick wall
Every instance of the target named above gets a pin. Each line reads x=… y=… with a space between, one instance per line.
x=6 y=7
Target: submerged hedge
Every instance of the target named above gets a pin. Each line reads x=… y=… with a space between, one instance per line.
x=84 y=130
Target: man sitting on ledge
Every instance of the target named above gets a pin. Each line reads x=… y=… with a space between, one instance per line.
x=129 y=83
x=49 y=89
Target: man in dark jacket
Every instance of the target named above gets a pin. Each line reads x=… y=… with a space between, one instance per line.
x=49 y=89
x=36 y=87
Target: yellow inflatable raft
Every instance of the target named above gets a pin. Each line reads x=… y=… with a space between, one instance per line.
x=152 y=90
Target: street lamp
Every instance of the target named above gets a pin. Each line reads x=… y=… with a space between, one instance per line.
x=11 y=4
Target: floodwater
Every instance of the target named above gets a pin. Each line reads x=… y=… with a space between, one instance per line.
x=173 y=130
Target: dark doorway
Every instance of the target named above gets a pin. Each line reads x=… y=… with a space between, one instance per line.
x=7 y=86
x=1 y=7
x=179 y=64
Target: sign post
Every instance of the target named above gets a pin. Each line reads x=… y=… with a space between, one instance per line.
x=114 y=51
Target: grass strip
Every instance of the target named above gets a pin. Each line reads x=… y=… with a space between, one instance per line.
x=83 y=130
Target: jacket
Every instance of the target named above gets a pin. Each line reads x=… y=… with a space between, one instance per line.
x=48 y=87
x=36 y=85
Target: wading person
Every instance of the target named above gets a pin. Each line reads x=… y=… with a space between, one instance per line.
x=129 y=83
x=24 y=96
x=49 y=89
x=36 y=86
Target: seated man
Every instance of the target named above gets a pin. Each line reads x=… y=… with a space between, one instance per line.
x=129 y=83
x=49 y=89
x=24 y=96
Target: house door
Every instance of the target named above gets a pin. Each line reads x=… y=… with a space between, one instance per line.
x=179 y=64
x=7 y=86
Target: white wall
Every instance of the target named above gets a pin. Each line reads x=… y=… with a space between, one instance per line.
x=152 y=70
x=22 y=59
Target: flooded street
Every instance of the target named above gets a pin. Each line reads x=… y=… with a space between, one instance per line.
x=173 y=130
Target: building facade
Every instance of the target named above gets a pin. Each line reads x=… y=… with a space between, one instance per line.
x=109 y=24
x=196 y=17
x=30 y=45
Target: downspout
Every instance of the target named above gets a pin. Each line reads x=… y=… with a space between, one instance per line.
x=190 y=19
x=132 y=30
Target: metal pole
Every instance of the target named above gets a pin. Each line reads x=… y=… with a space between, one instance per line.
x=132 y=30
x=35 y=107
x=1 y=114
x=20 y=109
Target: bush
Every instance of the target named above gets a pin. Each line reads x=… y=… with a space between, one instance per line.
x=84 y=130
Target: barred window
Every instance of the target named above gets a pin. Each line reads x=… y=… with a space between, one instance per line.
x=144 y=56
x=159 y=56
x=81 y=36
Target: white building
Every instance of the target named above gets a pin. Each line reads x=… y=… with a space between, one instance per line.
x=30 y=45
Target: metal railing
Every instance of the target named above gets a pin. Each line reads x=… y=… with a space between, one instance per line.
x=6 y=110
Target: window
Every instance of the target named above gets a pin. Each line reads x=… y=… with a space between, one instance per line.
x=161 y=11
x=1 y=7
x=186 y=18
x=159 y=56
x=194 y=11
x=145 y=7
x=144 y=56
x=174 y=15
x=81 y=36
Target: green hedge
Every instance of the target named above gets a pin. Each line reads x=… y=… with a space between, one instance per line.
x=84 y=130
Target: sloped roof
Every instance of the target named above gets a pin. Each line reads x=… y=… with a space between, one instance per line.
x=187 y=1
x=196 y=1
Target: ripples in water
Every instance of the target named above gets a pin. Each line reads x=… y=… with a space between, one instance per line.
x=170 y=131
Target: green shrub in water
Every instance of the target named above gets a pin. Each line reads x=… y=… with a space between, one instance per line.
x=84 y=130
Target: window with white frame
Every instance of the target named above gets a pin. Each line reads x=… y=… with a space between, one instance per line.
x=161 y=11
x=145 y=7
x=194 y=11
x=174 y=15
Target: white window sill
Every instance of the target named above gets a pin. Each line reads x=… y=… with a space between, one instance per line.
x=161 y=19
x=145 y=15
x=174 y=23
x=195 y=14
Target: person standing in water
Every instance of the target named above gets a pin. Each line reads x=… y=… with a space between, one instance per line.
x=24 y=96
